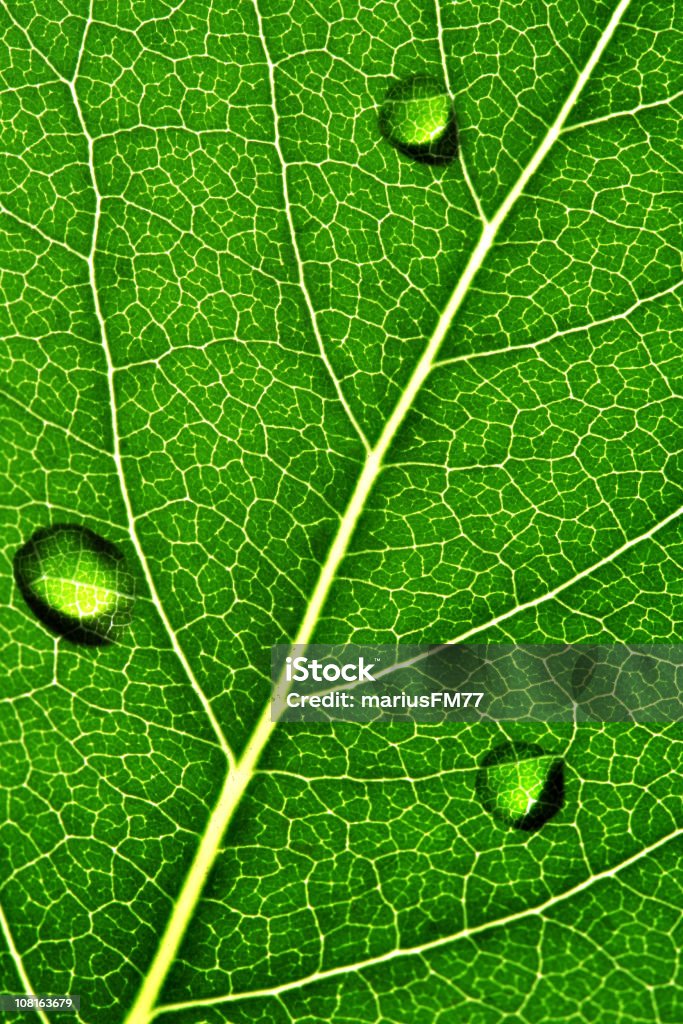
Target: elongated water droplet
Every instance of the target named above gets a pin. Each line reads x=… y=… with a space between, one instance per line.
x=76 y=583
x=417 y=118
x=521 y=785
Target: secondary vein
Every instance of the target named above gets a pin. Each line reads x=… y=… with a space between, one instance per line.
x=118 y=461
x=427 y=947
x=292 y=234
x=18 y=963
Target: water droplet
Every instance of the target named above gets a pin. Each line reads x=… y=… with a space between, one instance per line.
x=76 y=583
x=417 y=118
x=521 y=785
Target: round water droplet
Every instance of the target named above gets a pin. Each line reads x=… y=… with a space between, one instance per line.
x=417 y=118
x=521 y=785
x=76 y=582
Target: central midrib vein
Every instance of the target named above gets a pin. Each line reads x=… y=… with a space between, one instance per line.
x=240 y=775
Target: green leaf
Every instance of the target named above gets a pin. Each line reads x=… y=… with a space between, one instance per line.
x=315 y=389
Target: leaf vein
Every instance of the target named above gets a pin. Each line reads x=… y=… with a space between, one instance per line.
x=427 y=947
x=118 y=460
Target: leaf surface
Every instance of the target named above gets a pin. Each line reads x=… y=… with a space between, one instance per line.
x=318 y=391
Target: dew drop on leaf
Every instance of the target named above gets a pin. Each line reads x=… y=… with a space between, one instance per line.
x=76 y=582
x=520 y=785
x=418 y=119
